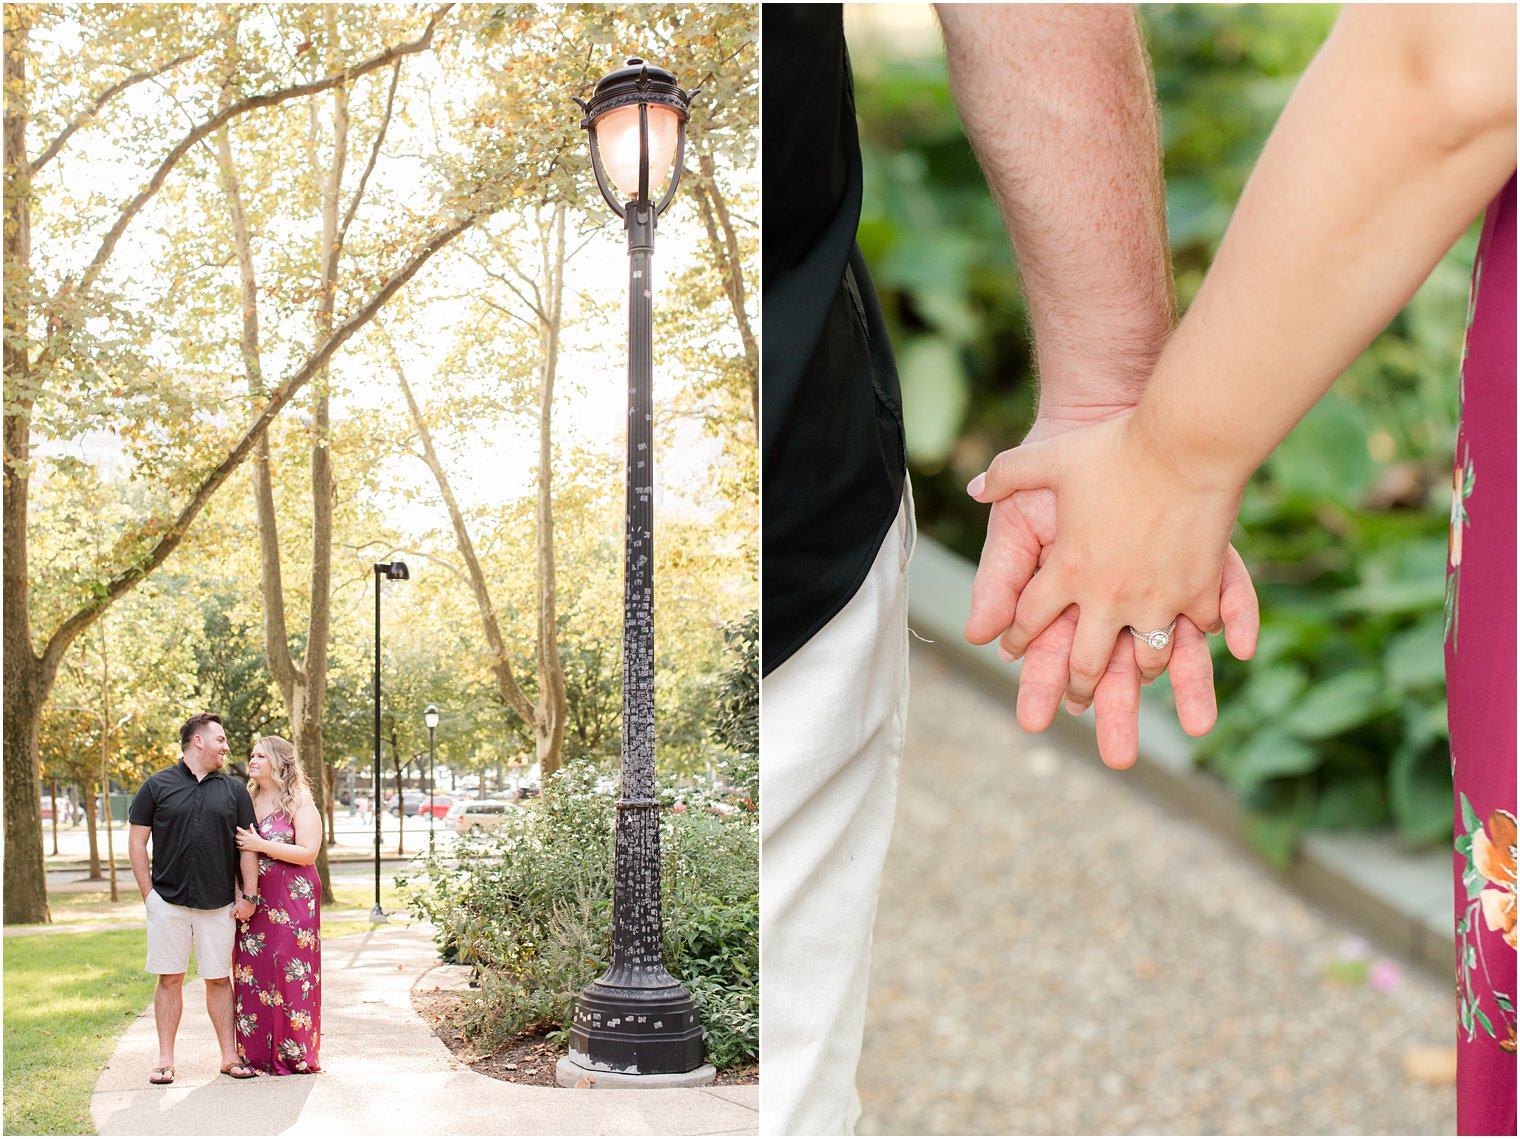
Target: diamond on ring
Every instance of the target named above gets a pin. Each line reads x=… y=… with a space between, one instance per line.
x=1156 y=639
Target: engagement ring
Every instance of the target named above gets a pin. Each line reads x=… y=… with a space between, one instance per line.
x=1158 y=639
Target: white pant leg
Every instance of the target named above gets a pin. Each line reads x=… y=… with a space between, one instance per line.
x=831 y=737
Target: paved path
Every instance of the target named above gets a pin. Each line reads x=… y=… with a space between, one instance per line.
x=384 y=1073
x=1057 y=953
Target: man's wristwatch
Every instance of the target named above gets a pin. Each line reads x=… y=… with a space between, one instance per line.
x=254 y=898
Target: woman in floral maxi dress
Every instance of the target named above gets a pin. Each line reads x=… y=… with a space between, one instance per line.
x=277 y=964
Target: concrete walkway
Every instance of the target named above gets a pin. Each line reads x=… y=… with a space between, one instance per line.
x=1059 y=953
x=384 y=1073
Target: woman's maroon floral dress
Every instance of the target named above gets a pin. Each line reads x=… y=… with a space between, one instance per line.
x=277 y=965
x=1480 y=687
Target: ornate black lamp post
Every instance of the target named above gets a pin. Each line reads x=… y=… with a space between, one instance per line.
x=430 y=717
x=637 y=1020
x=396 y=571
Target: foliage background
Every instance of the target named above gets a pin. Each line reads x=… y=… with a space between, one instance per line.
x=1340 y=721
x=530 y=905
x=110 y=460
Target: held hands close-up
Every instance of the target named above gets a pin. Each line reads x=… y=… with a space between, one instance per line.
x=1130 y=564
x=1109 y=583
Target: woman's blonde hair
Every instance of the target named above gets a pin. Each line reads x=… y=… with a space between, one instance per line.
x=291 y=788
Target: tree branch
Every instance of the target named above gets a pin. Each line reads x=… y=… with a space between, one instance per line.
x=132 y=576
x=222 y=117
x=101 y=100
x=374 y=155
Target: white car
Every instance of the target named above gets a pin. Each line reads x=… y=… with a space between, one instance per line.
x=468 y=814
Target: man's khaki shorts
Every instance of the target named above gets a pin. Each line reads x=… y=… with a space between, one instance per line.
x=172 y=930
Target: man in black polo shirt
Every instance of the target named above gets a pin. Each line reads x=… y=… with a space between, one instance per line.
x=192 y=811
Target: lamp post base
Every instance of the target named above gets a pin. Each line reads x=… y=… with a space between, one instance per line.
x=572 y=1075
x=376 y=915
x=633 y=1030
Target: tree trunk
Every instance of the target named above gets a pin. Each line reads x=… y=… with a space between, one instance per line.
x=547 y=716
x=302 y=687
x=24 y=684
x=549 y=723
x=400 y=806
x=87 y=786
x=54 y=812
x=332 y=797
x=723 y=243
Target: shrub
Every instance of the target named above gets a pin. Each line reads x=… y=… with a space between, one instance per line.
x=530 y=905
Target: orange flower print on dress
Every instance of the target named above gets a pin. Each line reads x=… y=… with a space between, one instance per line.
x=1488 y=877
x=1494 y=857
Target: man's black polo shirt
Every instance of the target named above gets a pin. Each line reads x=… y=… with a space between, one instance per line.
x=195 y=854
x=833 y=458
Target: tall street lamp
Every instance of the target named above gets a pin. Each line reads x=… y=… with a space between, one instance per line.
x=636 y=1023
x=430 y=717
x=395 y=571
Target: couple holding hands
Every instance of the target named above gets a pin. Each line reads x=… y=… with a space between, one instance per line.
x=1107 y=559
x=260 y=956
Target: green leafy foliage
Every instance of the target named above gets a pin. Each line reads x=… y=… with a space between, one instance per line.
x=1340 y=720
x=737 y=726
x=530 y=905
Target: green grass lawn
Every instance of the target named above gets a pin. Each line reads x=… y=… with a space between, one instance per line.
x=352 y=897
x=68 y=998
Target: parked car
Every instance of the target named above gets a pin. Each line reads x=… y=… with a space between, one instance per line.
x=472 y=814
x=412 y=801
x=436 y=806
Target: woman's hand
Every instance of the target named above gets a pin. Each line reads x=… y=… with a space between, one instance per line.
x=1136 y=544
x=248 y=838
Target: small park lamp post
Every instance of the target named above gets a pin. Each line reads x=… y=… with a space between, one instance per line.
x=636 y=1022
x=430 y=717
x=395 y=571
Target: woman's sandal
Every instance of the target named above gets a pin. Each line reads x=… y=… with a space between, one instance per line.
x=164 y=1075
x=240 y=1071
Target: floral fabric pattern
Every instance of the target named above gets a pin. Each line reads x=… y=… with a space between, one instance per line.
x=1488 y=874
x=277 y=965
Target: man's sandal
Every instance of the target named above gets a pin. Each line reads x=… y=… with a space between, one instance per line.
x=240 y=1071
x=164 y=1075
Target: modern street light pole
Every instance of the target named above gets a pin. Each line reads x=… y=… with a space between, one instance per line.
x=396 y=571
x=637 y=1020
x=430 y=717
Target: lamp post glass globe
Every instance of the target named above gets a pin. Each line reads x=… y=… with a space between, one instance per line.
x=430 y=717
x=636 y=128
x=617 y=134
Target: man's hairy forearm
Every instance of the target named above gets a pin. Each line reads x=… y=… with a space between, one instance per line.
x=1058 y=103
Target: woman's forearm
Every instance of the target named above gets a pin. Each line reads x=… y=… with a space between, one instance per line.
x=1397 y=135
x=291 y=852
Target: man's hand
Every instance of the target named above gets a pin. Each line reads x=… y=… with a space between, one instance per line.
x=243 y=910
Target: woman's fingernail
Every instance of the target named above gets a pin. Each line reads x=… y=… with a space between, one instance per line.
x=1005 y=654
x=1074 y=708
x=974 y=487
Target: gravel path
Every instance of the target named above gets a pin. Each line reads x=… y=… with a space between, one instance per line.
x=1057 y=953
